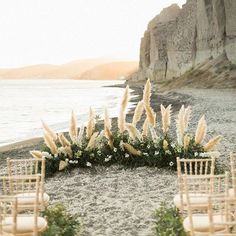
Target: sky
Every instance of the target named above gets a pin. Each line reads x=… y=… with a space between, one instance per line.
x=60 y=31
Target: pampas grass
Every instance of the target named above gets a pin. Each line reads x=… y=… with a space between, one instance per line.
x=166 y=118
x=36 y=154
x=147 y=93
x=212 y=143
x=145 y=127
x=50 y=143
x=201 y=130
x=63 y=165
x=49 y=131
x=133 y=131
x=151 y=115
x=122 y=114
x=69 y=151
x=107 y=124
x=187 y=114
x=131 y=149
x=91 y=124
x=63 y=140
x=138 y=113
x=92 y=142
x=73 y=132
x=180 y=125
x=81 y=133
x=187 y=140
x=153 y=134
x=165 y=145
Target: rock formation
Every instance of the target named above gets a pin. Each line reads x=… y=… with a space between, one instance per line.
x=179 y=39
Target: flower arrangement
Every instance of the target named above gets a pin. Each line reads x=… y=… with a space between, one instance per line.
x=128 y=145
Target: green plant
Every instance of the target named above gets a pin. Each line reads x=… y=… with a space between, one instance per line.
x=168 y=221
x=60 y=222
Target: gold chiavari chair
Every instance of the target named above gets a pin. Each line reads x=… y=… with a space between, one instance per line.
x=12 y=222
x=232 y=190
x=192 y=167
x=20 y=167
x=197 y=223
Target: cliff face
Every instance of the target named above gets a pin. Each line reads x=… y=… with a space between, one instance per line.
x=178 y=39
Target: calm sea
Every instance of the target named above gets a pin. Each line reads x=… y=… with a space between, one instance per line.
x=24 y=103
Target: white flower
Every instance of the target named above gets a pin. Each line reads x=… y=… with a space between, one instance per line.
x=148 y=146
x=115 y=149
x=171 y=163
x=92 y=154
x=196 y=154
x=71 y=162
x=99 y=152
x=156 y=153
x=172 y=145
x=76 y=162
x=168 y=152
x=61 y=150
x=47 y=155
x=88 y=164
x=126 y=155
x=145 y=154
x=108 y=158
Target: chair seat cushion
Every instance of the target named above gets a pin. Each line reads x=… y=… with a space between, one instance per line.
x=201 y=223
x=231 y=192
x=198 y=199
x=29 y=198
x=25 y=224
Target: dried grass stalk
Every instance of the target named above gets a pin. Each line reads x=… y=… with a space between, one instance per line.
x=133 y=131
x=138 y=113
x=63 y=165
x=151 y=115
x=201 y=130
x=153 y=134
x=107 y=124
x=212 y=143
x=187 y=115
x=147 y=93
x=165 y=145
x=187 y=140
x=81 y=134
x=91 y=124
x=36 y=154
x=131 y=149
x=145 y=127
x=63 y=140
x=166 y=118
x=180 y=125
x=92 y=142
x=49 y=131
x=122 y=114
x=110 y=137
x=69 y=151
x=50 y=143
x=73 y=132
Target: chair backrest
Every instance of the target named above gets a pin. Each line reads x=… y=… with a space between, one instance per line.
x=233 y=170
x=203 y=186
x=14 y=186
x=223 y=207
x=32 y=166
x=8 y=208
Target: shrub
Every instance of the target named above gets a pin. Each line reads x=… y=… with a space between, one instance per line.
x=60 y=222
x=168 y=222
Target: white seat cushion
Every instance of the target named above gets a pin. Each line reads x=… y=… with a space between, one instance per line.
x=29 y=199
x=231 y=192
x=25 y=224
x=201 y=223
x=200 y=200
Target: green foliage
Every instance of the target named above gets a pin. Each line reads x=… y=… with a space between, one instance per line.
x=60 y=222
x=168 y=221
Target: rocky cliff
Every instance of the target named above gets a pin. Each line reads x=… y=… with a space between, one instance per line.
x=180 y=39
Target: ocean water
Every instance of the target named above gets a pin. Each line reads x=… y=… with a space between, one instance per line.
x=24 y=103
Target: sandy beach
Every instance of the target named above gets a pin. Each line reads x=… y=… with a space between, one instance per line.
x=114 y=201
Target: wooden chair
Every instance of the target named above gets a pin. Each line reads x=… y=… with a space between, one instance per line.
x=20 y=167
x=232 y=190
x=11 y=221
x=192 y=167
x=213 y=186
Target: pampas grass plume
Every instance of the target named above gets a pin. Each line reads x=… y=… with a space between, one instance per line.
x=147 y=93
x=201 y=130
x=48 y=130
x=133 y=131
x=180 y=125
x=50 y=143
x=212 y=143
x=63 y=140
x=36 y=154
x=187 y=140
x=92 y=142
x=166 y=118
x=131 y=149
x=165 y=145
x=91 y=124
x=138 y=113
x=73 y=132
x=145 y=127
x=151 y=115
